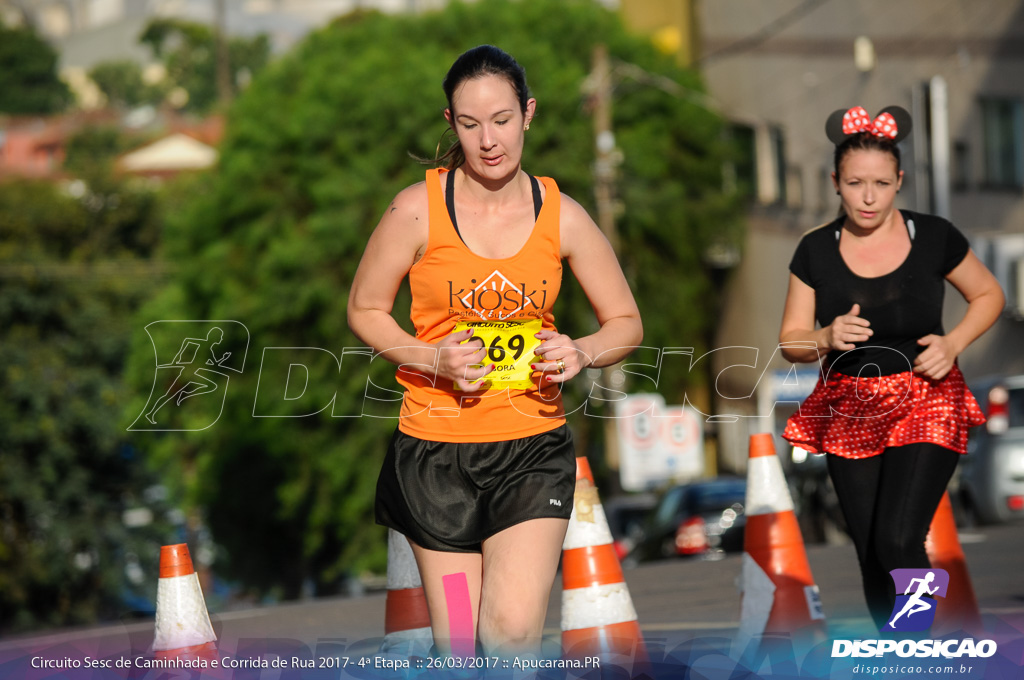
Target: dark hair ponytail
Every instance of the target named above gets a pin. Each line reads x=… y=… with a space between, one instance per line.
x=484 y=60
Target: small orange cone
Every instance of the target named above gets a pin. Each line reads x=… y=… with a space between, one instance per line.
x=779 y=594
x=183 y=628
x=406 y=618
x=959 y=609
x=598 y=618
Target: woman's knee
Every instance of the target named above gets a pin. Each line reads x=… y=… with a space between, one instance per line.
x=511 y=626
x=896 y=550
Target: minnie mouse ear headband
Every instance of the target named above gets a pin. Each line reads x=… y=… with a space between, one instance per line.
x=892 y=123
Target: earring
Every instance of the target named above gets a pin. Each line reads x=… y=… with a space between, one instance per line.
x=527 y=127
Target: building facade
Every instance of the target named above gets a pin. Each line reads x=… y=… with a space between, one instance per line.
x=777 y=68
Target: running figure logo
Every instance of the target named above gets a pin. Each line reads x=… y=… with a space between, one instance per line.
x=200 y=366
x=915 y=608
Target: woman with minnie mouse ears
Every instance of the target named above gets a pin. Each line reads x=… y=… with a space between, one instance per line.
x=891 y=408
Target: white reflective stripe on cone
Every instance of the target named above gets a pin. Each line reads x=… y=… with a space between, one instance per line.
x=767 y=491
x=402 y=570
x=596 y=606
x=584 y=533
x=415 y=642
x=181 y=616
x=758 y=597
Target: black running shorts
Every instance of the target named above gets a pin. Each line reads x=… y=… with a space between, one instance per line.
x=450 y=497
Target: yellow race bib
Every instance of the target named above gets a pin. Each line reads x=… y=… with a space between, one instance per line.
x=510 y=346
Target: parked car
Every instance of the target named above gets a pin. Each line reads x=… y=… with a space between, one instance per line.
x=626 y=516
x=992 y=473
x=704 y=518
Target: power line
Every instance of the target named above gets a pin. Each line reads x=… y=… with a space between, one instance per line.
x=622 y=70
x=768 y=31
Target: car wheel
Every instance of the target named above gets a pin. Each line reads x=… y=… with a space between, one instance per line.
x=974 y=515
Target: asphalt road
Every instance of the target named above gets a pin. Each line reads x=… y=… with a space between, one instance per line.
x=677 y=601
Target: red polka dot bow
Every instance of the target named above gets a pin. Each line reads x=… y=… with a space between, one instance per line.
x=857 y=120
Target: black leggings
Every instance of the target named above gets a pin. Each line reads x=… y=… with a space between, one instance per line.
x=888 y=502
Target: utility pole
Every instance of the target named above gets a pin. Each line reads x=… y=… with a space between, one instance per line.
x=598 y=87
x=607 y=158
x=939 y=109
x=604 y=140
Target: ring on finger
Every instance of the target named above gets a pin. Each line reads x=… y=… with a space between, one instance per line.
x=561 y=366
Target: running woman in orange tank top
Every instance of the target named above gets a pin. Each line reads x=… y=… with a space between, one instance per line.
x=480 y=472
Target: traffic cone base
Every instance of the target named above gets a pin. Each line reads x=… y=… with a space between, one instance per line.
x=206 y=651
x=622 y=638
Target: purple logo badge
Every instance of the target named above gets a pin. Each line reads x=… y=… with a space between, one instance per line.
x=916 y=590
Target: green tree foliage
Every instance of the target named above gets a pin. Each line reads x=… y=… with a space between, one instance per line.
x=125 y=218
x=189 y=52
x=68 y=289
x=316 y=149
x=92 y=150
x=28 y=74
x=122 y=84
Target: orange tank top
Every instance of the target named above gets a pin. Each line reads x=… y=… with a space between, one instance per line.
x=451 y=284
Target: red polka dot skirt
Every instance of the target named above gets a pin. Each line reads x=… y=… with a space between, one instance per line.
x=861 y=417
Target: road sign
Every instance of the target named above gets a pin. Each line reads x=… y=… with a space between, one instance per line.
x=657 y=443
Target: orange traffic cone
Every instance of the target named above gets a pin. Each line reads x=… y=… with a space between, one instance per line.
x=959 y=609
x=183 y=628
x=779 y=594
x=406 y=618
x=598 y=618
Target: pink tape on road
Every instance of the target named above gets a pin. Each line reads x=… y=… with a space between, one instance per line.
x=460 y=615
